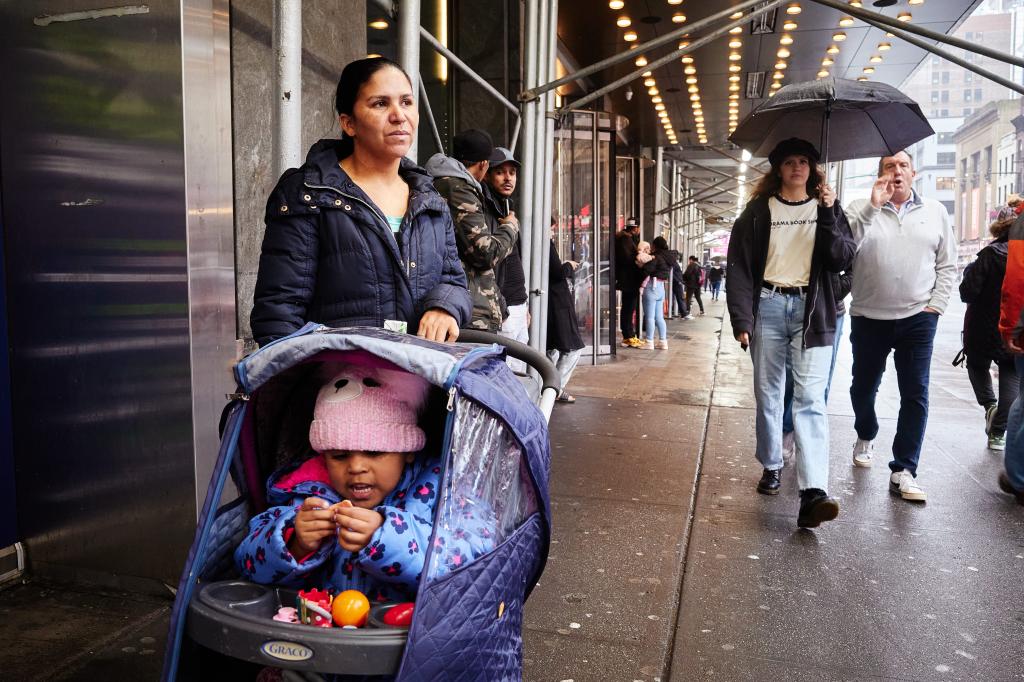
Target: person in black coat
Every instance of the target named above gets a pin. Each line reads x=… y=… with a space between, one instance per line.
x=358 y=236
x=692 y=278
x=981 y=289
x=678 y=289
x=564 y=341
x=627 y=280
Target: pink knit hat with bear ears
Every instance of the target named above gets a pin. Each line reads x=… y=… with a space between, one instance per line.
x=370 y=410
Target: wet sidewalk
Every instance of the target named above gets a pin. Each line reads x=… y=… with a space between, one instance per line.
x=890 y=590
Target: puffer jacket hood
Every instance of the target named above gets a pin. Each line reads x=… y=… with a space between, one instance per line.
x=441 y=166
x=330 y=256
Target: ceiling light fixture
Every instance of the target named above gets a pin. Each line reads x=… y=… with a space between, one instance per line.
x=678 y=18
x=862 y=78
x=616 y=4
x=649 y=82
x=789 y=25
x=828 y=61
x=846 y=21
x=786 y=39
x=915 y=2
x=656 y=99
x=869 y=69
x=839 y=36
x=780 y=65
x=735 y=43
x=735 y=56
x=735 y=68
x=689 y=70
x=629 y=36
x=641 y=61
x=736 y=30
x=882 y=47
x=832 y=49
x=793 y=8
x=875 y=58
x=783 y=53
x=623 y=22
x=378 y=24
x=687 y=59
x=904 y=16
x=690 y=80
x=823 y=73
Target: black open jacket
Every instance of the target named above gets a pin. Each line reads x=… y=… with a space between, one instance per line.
x=834 y=250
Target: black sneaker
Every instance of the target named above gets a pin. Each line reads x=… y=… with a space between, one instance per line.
x=1007 y=487
x=770 y=482
x=816 y=506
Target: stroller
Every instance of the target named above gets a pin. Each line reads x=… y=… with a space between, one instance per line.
x=467 y=623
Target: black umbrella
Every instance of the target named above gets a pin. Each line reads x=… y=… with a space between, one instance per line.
x=849 y=119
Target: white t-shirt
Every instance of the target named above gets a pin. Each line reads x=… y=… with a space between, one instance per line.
x=791 y=242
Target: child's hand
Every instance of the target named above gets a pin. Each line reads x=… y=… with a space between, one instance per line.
x=313 y=522
x=355 y=525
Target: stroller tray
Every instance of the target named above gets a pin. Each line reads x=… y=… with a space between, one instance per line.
x=235 y=618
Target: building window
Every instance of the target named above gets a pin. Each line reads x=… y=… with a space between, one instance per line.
x=945 y=159
x=943 y=113
x=945 y=77
x=967 y=95
x=977 y=94
x=968 y=111
x=950 y=208
x=945 y=96
x=944 y=138
x=935 y=95
x=945 y=183
x=968 y=76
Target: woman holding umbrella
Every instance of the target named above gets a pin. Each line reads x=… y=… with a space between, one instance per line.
x=784 y=248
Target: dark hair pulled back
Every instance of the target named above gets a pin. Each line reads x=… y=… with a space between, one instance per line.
x=353 y=77
x=659 y=244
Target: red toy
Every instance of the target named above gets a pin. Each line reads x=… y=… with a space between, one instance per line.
x=314 y=608
x=400 y=615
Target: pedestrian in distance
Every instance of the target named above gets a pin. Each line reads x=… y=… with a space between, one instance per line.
x=657 y=271
x=715 y=276
x=692 y=279
x=627 y=281
x=981 y=289
x=678 y=289
x=902 y=280
x=564 y=343
x=484 y=236
x=344 y=231
x=785 y=248
x=502 y=174
x=1011 y=327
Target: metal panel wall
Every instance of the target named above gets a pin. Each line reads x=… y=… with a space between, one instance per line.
x=98 y=264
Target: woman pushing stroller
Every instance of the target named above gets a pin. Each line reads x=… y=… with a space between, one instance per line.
x=358 y=236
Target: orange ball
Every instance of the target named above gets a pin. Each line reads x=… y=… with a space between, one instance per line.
x=351 y=607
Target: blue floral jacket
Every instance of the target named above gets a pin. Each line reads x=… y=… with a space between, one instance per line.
x=389 y=567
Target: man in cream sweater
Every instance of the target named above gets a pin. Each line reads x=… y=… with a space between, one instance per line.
x=902 y=279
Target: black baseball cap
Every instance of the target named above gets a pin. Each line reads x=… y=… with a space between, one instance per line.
x=472 y=145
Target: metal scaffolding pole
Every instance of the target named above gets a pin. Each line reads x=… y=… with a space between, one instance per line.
x=532 y=92
x=694 y=198
x=409 y=50
x=529 y=183
x=444 y=52
x=672 y=56
x=546 y=130
x=288 y=86
x=875 y=18
x=430 y=117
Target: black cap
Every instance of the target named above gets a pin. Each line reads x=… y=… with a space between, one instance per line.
x=794 y=146
x=631 y=223
x=472 y=145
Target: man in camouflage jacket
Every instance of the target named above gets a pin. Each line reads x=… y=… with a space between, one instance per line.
x=483 y=238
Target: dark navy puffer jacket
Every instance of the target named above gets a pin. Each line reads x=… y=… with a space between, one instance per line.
x=329 y=255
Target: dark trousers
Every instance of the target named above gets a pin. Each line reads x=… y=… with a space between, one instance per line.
x=910 y=340
x=680 y=296
x=981 y=382
x=691 y=292
x=630 y=302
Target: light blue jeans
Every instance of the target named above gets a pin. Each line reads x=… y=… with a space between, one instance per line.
x=654 y=313
x=778 y=330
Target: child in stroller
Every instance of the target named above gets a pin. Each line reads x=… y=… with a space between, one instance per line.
x=358 y=512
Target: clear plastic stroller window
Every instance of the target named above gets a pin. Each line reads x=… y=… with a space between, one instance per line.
x=488 y=491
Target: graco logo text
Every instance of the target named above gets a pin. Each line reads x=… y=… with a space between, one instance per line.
x=287 y=651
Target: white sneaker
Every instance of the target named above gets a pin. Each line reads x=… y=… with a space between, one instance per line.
x=903 y=483
x=688 y=317
x=648 y=345
x=661 y=344
x=863 y=451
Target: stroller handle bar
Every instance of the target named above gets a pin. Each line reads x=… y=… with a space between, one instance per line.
x=550 y=377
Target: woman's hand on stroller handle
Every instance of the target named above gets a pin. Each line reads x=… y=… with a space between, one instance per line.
x=355 y=525
x=313 y=522
x=438 y=325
